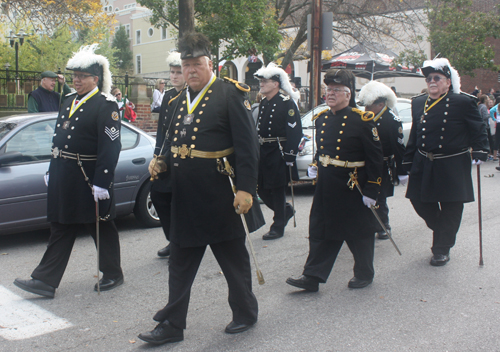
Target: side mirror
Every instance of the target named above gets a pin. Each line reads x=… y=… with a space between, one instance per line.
x=10 y=157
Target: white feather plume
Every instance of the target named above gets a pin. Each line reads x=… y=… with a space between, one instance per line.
x=375 y=90
x=273 y=70
x=174 y=59
x=441 y=62
x=85 y=58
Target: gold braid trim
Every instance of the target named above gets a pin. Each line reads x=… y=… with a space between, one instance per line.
x=365 y=115
x=378 y=182
x=319 y=114
x=180 y=92
x=241 y=86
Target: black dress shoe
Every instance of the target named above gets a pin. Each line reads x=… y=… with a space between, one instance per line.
x=272 y=235
x=382 y=235
x=164 y=252
x=498 y=168
x=440 y=259
x=358 y=283
x=35 y=286
x=109 y=284
x=234 y=328
x=163 y=333
x=308 y=283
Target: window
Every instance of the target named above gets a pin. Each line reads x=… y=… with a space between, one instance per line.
x=164 y=33
x=150 y=32
x=138 y=63
x=128 y=138
x=138 y=36
x=34 y=141
x=117 y=9
x=127 y=29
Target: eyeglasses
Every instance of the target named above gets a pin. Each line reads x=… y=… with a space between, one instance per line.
x=117 y=94
x=336 y=90
x=265 y=81
x=435 y=78
x=162 y=83
x=80 y=76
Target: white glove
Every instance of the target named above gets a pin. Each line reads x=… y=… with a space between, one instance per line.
x=477 y=162
x=100 y=193
x=369 y=202
x=312 y=171
x=403 y=179
x=289 y=163
x=46 y=179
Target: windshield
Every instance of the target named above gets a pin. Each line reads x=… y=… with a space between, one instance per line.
x=6 y=127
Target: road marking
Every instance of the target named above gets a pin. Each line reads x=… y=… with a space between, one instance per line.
x=20 y=319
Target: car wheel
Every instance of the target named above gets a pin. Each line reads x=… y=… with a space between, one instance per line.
x=144 y=209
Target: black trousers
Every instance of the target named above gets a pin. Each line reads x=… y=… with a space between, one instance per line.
x=443 y=219
x=323 y=253
x=275 y=199
x=163 y=205
x=234 y=261
x=61 y=240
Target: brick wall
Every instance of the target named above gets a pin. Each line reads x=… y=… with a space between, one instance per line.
x=145 y=120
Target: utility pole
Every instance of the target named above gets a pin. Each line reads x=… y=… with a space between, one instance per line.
x=315 y=53
x=186 y=16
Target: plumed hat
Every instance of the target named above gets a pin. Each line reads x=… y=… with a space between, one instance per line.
x=174 y=59
x=85 y=60
x=344 y=77
x=193 y=44
x=373 y=91
x=276 y=73
x=442 y=65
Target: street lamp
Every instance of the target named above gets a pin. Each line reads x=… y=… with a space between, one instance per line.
x=15 y=44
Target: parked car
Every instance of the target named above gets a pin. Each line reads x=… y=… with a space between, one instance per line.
x=307 y=148
x=25 y=151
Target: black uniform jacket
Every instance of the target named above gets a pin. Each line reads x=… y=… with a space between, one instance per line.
x=390 y=131
x=202 y=199
x=338 y=213
x=94 y=129
x=163 y=183
x=278 y=117
x=448 y=129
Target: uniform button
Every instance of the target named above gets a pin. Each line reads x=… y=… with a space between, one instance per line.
x=69 y=137
x=425 y=113
x=441 y=137
x=270 y=115
x=423 y=129
x=177 y=124
x=105 y=171
x=206 y=98
x=270 y=122
x=181 y=109
x=55 y=134
x=447 y=105
x=198 y=120
x=72 y=127
x=269 y=135
x=341 y=132
x=378 y=124
x=272 y=110
x=343 y=124
x=423 y=137
x=81 y=110
x=326 y=117
x=322 y=132
x=442 y=129
x=66 y=146
x=447 y=99
x=440 y=146
x=76 y=119
x=446 y=112
x=195 y=129
x=339 y=140
x=203 y=105
x=338 y=148
x=269 y=128
x=176 y=131
x=179 y=117
x=321 y=140
x=337 y=157
x=210 y=91
x=444 y=120
x=58 y=125
x=175 y=139
x=423 y=144
x=424 y=121
x=193 y=138
x=201 y=113
x=345 y=117
x=324 y=124
x=321 y=147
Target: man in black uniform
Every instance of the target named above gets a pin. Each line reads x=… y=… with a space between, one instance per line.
x=211 y=122
x=161 y=189
x=380 y=99
x=280 y=130
x=446 y=124
x=348 y=145
x=87 y=131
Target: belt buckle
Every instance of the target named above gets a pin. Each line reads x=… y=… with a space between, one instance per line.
x=326 y=160
x=55 y=152
x=430 y=155
x=346 y=164
x=261 y=140
x=184 y=151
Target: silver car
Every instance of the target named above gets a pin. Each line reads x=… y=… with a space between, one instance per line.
x=25 y=144
x=307 y=147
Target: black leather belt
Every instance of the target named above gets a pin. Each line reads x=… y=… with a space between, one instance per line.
x=57 y=153
x=263 y=140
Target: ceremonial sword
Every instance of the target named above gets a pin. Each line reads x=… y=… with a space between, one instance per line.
x=354 y=181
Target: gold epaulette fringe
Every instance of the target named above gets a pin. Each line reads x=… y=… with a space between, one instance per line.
x=365 y=115
x=319 y=114
x=180 y=92
x=241 y=86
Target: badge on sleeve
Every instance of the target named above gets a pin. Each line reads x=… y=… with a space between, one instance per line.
x=376 y=138
x=112 y=132
x=291 y=112
x=400 y=129
x=115 y=116
x=247 y=105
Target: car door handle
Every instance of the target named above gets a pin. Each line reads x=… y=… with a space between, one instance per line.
x=139 y=161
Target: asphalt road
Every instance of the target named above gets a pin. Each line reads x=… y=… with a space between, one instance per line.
x=411 y=306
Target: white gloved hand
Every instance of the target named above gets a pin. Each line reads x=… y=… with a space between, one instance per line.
x=289 y=163
x=46 y=179
x=477 y=162
x=369 y=202
x=403 y=179
x=100 y=193
x=312 y=171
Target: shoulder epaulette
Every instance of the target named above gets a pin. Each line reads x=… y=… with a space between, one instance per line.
x=285 y=97
x=241 y=86
x=396 y=117
x=109 y=97
x=365 y=115
x=473 y=97
x=418 y=95
x=180 y=92
x=322 y=112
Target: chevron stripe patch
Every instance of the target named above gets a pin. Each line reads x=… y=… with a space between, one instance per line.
x=112 y=132
x=292 y=125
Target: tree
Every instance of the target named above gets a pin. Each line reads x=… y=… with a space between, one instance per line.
x=459 y=34
x=123 y=54
x=48 y=15
x=244 y=26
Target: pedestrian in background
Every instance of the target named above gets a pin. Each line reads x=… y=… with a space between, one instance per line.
x=44 y=99
x=158 y=94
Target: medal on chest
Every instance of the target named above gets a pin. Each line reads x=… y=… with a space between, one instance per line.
x=65 y=125
x=188 y=119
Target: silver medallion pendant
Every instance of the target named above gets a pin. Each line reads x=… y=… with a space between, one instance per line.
x=188 y=119
x=65 y=125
